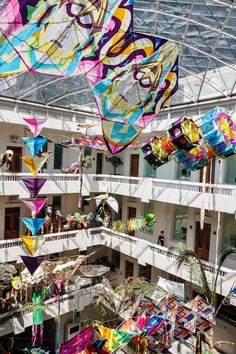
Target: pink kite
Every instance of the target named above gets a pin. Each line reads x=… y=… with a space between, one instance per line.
x=35 y=124
x=35 y=205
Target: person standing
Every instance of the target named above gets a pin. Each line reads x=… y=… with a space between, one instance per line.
x=161 y=239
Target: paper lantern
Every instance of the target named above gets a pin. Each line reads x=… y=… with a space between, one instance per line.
x=162 y=148
x=184 y=133
x=219 y=131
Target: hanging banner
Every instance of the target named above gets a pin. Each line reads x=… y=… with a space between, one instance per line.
x=34 y=145
x=35 y=124
x=34 y=164
x=35 y=205
x=34 y=185
x=32 y=263
x=32 y=243
x=33 y=224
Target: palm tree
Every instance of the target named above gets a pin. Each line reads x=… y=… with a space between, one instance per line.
x=190 y=260
x=113 y=303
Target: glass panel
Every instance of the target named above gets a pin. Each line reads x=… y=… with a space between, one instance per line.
x=180 y=224
x=58 y=156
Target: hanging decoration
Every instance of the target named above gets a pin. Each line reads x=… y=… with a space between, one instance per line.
x=34 y=185
x=33 y=224
x=184 y=134
x=32 y=263
x=155 y=327
x=34 y=164
x=194 y=144
x=35 y=125
x=131 y=74
x=32 y=243
x=104 y=199
x=34 y=145
x=143 y=222
x=35 y=205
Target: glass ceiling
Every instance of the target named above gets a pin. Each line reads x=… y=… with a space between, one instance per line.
x=205 y=31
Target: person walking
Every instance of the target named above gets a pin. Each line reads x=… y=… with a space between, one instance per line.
x=161 y=239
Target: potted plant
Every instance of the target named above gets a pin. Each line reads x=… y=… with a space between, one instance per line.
x=115 y=160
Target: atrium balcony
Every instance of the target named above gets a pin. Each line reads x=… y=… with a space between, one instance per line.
x=217 y=197
x=143 y=251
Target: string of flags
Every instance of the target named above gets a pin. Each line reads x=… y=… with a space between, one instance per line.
x=34 y=144
x=154 y=327
x=194 y=144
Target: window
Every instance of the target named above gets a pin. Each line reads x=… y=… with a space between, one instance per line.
x=229 y=231
x=58 y=156
x=145 y=272
x=180 y=224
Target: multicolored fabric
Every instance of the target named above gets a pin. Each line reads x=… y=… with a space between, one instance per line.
x=33 y=185
x=205 y=313
x=35 y=124
x=32 y=243
x=33 y=224
x=33 y=144
x=132 y=75
x=116 y=338
x=78 y=343
x=35 y=205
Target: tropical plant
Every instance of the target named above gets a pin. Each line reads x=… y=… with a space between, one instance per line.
x=115 y=160
x=191 y=261
x=111 y=304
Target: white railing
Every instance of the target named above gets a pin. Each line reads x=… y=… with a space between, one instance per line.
x=103 y=232
x=225 y=190
x=195 y=187
x=48 y=237
x=171 y=184
x=48 y=176
x=210 y=267
x=117 y=179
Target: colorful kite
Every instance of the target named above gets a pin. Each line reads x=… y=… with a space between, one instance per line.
x=194 y=144
x=132 y=75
